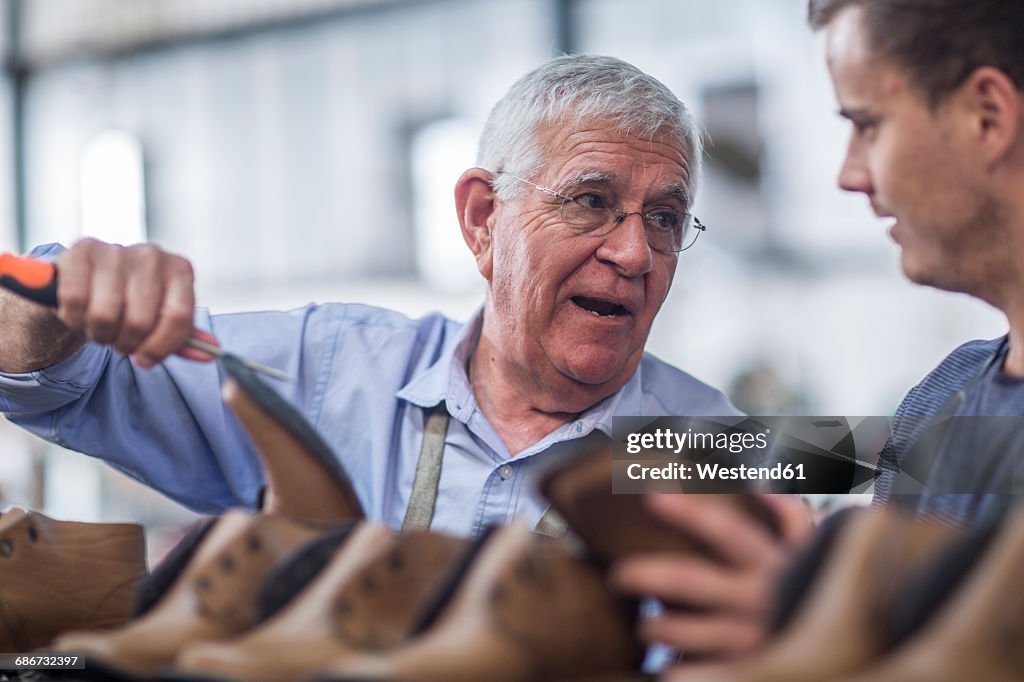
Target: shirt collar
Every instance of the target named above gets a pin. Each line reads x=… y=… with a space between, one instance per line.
x=447 y=380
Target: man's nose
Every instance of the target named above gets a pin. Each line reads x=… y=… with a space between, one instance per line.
x=626 y=247
x=854 y=175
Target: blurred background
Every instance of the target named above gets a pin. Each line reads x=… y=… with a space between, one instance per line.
x=306 y=150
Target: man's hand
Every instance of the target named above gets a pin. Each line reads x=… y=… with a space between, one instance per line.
x=727 y=598
x=138 y=299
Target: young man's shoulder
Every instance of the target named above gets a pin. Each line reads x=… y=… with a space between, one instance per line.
x=950 y=375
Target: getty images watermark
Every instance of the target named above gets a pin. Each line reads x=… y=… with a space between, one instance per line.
x=744 y=454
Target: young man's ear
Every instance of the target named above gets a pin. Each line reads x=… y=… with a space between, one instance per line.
x=994 y=104
x=474 y=201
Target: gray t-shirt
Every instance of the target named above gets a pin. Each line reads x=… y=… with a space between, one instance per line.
x=957 y=450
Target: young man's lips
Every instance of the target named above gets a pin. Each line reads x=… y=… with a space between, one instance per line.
x=892 y=231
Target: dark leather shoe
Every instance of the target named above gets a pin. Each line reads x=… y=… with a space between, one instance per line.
x=367 y=599
x=213 y=598
x=304 y=478
x=615 y=526
x=838 y=626
x=977 y=633
x=62 y=575
x=526 y=609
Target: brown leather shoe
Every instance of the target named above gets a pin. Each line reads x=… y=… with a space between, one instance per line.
x=304 y=478
x=978 y=633
x=525 y=610
x=213 y=598
x=615 y=526
x=838 y=626
x=368 y=599
x=62 y=575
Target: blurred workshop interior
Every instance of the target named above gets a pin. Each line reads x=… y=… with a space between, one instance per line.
x=306 y=150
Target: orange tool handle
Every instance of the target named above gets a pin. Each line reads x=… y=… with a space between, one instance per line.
x=34 y=279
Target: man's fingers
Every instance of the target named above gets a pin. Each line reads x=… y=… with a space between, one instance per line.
x=196 y=354
x=175 y=323
x=74 y=285
x=731 y=533
x=695 y=582
x=793 y=516
x=139 y=299
x=106 y=300
x=145 y=291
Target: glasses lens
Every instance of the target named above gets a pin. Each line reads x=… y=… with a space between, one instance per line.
x=577 y=213
x=693 y=229
x=666 y=228
x=685 y=233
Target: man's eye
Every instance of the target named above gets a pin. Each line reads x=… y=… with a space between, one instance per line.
x=663 y=219
x=591 y=200
x=864 y=127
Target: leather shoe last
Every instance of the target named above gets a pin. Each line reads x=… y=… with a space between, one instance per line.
x=367 y=599
x=304 y=478
x=526 y=610
x=214 y=597
x=63 y=575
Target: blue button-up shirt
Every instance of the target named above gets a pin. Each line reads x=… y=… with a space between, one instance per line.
x=364 y=377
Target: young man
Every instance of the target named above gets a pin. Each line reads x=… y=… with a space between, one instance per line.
x=933 y=93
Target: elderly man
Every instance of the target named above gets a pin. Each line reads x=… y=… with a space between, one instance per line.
x=934 y=91
x=576 y=217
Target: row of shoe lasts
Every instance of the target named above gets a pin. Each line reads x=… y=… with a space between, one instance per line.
x=256 y=596
x=305 y=588
x=882 y=597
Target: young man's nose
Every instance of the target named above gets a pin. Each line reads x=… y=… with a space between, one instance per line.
x=853 y=175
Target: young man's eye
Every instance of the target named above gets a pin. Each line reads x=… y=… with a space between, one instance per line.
x=863 y=127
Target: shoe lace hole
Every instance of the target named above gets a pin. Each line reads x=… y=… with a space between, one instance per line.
x=6 y=548
x=33 y=534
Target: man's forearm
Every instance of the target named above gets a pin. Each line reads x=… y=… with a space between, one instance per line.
x=31 y=336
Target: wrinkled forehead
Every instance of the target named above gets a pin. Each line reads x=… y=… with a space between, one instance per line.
x=623 y=184
x=598 y=152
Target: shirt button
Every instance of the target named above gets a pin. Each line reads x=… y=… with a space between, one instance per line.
x=505 y=472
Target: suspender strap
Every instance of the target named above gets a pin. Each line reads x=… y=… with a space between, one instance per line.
x=420 y=512
x=423 y=497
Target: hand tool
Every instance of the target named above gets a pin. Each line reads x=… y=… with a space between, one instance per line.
x=36 y=280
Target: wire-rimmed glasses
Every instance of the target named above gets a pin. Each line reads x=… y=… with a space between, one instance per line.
x=668 y=229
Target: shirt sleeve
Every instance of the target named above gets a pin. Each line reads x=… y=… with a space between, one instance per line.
x=167 y=426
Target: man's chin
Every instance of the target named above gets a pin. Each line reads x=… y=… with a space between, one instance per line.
x=598 y=367
x=928 y=277
x=914 y=270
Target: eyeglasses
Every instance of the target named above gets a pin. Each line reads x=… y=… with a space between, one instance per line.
x=668 y=229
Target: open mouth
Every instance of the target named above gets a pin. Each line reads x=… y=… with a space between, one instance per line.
x=599 y=307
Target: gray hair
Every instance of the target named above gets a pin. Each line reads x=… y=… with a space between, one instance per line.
x=574 y=89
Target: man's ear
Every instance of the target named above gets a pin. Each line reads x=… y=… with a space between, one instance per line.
x=994 y=104
x=474 y=201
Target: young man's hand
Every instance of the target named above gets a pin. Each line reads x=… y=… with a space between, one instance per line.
x=716 y=606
